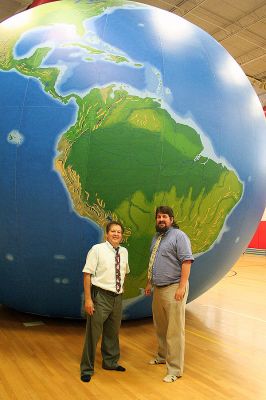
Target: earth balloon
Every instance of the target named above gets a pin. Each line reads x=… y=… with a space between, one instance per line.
x=109 y=109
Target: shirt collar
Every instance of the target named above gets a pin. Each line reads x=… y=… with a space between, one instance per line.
x=165 y=233
x=110 y=246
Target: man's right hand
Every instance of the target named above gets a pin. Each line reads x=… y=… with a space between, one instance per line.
x=89 y=307
x=147 y=289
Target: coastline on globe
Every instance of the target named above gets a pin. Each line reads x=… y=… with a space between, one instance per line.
x=100 y=125
x=142 y=123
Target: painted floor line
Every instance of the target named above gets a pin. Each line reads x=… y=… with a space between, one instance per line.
x=219 y=342
x=234 y=312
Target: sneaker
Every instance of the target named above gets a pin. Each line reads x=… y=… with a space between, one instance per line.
x=155 y=361
x=170 y=378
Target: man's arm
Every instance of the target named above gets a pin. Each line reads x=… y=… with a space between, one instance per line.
x=89 y=306
x=148 y=288
x=185 y=272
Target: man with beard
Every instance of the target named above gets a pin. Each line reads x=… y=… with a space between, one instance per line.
x=168 y=274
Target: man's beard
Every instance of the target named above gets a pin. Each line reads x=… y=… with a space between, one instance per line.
x=161 y=229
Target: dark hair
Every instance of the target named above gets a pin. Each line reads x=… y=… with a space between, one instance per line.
x=109 y=225
x=166 y=210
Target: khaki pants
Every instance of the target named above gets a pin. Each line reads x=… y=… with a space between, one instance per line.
x=106 y=320
x=169 y=322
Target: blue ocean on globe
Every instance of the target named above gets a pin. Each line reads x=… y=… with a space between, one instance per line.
x=150 y=54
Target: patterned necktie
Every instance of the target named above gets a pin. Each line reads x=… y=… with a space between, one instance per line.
x=153 y=255
x=117 y=271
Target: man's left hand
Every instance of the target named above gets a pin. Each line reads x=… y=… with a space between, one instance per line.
x=180 y=293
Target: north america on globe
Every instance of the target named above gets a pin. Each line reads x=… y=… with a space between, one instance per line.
x=126 y=151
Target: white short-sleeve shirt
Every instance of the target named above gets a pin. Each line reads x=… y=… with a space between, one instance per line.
x=100 y=263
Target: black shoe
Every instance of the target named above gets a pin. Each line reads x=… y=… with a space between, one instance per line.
x=118 y=368
x=85 y=378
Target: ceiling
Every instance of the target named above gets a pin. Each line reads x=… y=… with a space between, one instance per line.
x=239 y=25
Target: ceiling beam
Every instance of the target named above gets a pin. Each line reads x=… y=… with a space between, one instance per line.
x=240 y=25
x=190 y=6
x=251 y=56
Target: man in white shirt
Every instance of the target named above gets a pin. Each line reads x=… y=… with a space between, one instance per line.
x=104 y=274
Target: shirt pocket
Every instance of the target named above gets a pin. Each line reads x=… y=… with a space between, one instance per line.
x=123 y=263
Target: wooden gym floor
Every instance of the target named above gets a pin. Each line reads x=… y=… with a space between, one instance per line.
x=225 y=350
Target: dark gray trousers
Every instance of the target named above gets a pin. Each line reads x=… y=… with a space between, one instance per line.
x=105 y=321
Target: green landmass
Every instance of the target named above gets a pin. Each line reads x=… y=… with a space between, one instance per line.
x=47 y=76
x=125 y=155
x=108 y=57
x=116 y=59
x=90 y=49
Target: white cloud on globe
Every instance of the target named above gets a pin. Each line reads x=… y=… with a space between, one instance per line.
x=62 y=33
x=17 y=20
x=59 y=257
x=172 y=28
x=9 y=257
x=255 y=106
x=231 y=73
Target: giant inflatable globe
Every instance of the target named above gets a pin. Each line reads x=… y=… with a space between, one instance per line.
x=109 y=109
